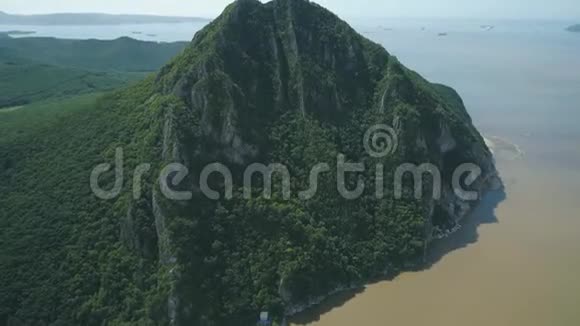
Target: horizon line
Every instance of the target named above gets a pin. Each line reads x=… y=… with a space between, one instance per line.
x=206 y=17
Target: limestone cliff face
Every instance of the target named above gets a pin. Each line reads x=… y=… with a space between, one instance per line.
x=259 y=70
x=259 y=61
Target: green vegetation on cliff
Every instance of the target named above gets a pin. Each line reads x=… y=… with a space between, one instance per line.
x=284 y=82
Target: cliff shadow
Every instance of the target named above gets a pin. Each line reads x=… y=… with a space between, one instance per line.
x=313 y=314
x=483 y=214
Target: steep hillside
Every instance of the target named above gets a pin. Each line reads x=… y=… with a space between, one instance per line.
x=283 y=82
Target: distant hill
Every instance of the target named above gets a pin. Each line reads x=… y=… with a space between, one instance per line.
x=123 y=54
x=37 y=69
x=574 y=28
x=91 y=19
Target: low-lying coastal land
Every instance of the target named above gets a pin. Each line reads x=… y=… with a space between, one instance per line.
x=17 y=33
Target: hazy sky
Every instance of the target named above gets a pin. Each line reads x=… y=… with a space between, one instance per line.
x=519 y=9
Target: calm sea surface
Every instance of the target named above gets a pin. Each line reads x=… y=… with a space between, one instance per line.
x=517 y=259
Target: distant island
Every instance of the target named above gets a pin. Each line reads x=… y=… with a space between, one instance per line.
x=17 y=33
x=92 y=19
x=574 y=28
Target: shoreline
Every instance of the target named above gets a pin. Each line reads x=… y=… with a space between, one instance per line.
x=437 y=249
x=498 y=146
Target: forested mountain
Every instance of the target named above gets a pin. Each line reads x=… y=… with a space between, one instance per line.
x=283 y=82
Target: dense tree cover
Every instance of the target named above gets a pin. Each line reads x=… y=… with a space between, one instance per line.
x=255 y=250
x=123 y=54
x=26 y=82
x=61 y=258
x=35 y=69
x=284 y=82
